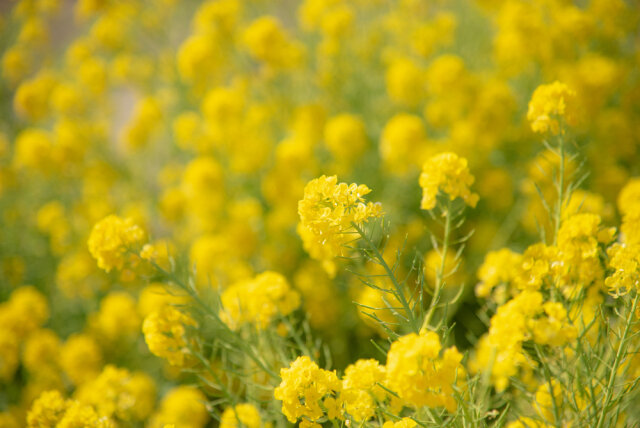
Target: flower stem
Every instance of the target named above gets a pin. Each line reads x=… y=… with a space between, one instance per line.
x=399 y=289
x=617 y=361
x=439 y=285
x=558 y=213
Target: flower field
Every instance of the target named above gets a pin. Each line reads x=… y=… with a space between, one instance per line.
x=319 y=213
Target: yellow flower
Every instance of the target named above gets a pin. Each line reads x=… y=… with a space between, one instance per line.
x=26 y=310
x=31 y=99
x=117 y=393
x=33 y=148
x=403 y=142
x=183 y=406
x=217 y=17
x=402 y=423
x=419 y=375
x=405 y=83
x=499 y=268
x=47 y=410
x=165 y=332
x=360 y=388
x=79 y=414
x=327 y=214
x=258 y=301
x=624 y=259
x=501 y=349
x=117 y=317
x=41 y=351
x=450 y=174
x=304 y=388
x=346 y=137
x=629 y=196
x=159 y=252
x=16 y=62
x=110 y=239
x=268 y=42
x=549 y=105
x=80 y=358
x=196 y=59
x=553 y=329
x=245 y=414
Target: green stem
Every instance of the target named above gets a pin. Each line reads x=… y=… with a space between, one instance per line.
x=547 y=375
x=558 y=213
x=399 y=290
x=617 y=361
x=250 y=352
x=439 y=285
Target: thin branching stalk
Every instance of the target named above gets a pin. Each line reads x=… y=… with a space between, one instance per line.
x=561 y=184
x=439 y=285
x=620 y=354
x=399 y=289
x=251 y=352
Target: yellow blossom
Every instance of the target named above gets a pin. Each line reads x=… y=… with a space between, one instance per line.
x=165 y=331
x=449 y=174
x=183 y=406
x=110 y=239
x=304 y=388
x=328 y=212
x=549 y=105
x=244 y=414
x=420 y=374
x=258 y=301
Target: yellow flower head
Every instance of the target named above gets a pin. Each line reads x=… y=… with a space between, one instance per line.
x=245 y=414
x=117 y=317
x=258 y=301
x=346 y=137
x=402 y=423
x=268 y=42
x=419 y=375
x=110 y=239
x=47 y=410
x=165 y=332
x=549 y=105
x=80 y=358
x=182 y=406
x=360 y=388
x=305 y=382
x=450 y=174
x=327 y=214
x=405 y=82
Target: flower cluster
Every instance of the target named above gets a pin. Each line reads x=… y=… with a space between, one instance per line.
x=111 y=238
x=165 y=331
x=416 y=374
x=244 y=414
x=420 y=375
x=258 y=301
x=308 y=392
x=21 y=316
x=523 y=318
x=328 y=213
x=52 y=410
x=449 y=174
x=550 y=104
